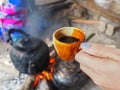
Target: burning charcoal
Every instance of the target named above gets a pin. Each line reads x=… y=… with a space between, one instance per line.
x=46 y=73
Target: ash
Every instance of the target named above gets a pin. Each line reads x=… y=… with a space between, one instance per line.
x=13 y=83
x=9 y=76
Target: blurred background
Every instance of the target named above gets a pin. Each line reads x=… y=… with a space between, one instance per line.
x=99 y=19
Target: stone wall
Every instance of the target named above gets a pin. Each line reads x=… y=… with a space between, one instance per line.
x=108 y=22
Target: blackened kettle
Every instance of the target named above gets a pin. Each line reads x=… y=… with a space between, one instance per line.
x=30 y=55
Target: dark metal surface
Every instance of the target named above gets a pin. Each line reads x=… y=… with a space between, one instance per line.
x=30 y=55
x=68 y=76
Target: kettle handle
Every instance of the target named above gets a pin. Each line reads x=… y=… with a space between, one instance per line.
x=9 y=32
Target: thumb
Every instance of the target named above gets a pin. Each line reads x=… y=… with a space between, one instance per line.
x=101 y=50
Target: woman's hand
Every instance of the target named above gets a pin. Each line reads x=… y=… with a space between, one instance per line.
x=101 y=64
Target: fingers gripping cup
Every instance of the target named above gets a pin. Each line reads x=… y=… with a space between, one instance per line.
x=67 y=41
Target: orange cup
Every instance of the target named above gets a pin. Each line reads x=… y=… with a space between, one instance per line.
x=66 y=51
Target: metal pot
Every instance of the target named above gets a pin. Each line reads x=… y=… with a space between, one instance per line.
x=30 y=55
x=67 y=75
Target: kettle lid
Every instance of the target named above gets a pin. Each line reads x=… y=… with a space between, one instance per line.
x=26 y=43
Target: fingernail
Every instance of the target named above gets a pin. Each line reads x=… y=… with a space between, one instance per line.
x=85 y=46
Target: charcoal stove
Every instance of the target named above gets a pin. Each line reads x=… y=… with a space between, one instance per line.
x=62 y=72
x=67 y=74
x=59 y=74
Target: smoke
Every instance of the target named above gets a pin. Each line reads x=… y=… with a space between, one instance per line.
x=38 y=20
x=42 y=17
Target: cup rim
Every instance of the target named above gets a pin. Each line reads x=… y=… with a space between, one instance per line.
x=65 y=28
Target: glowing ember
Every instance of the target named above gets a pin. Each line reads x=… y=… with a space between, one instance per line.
x=46 y=73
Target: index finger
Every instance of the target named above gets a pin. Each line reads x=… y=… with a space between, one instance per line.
x=101 y=50
x=95 y=63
